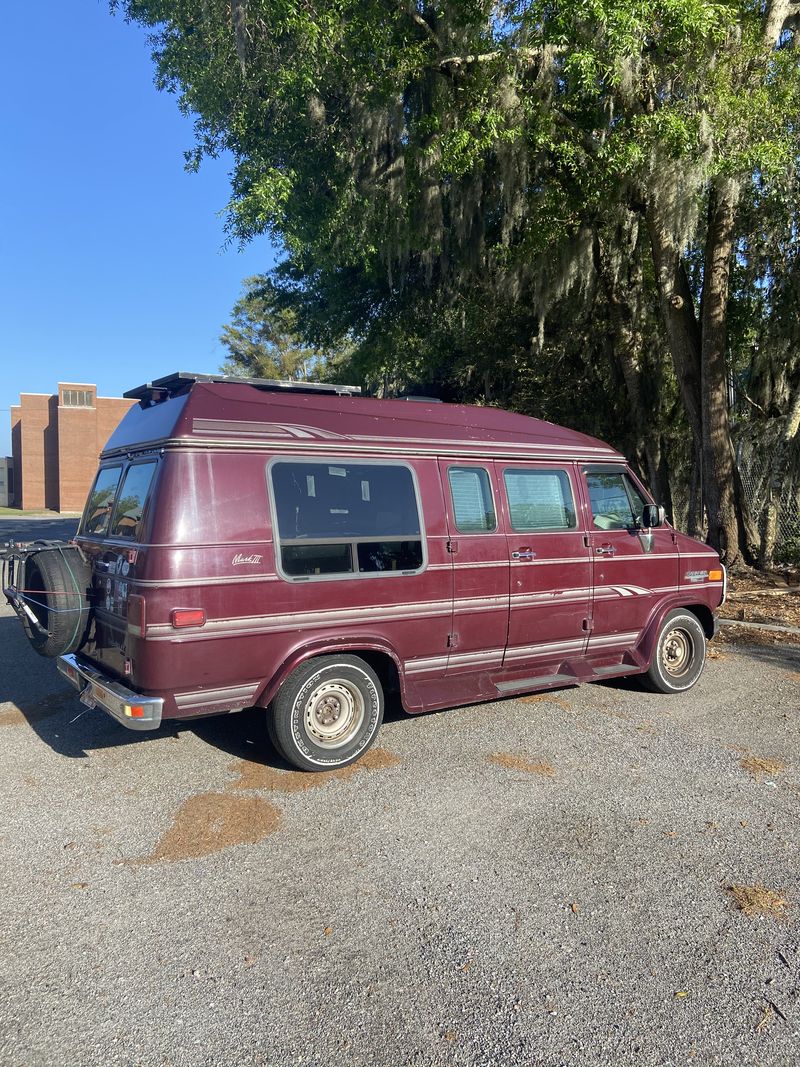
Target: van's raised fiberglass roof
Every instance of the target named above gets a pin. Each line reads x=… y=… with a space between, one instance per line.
x=205 y=411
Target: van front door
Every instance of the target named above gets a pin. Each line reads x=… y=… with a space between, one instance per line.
x=479 y=554
x=550 y=566
x=632 y=568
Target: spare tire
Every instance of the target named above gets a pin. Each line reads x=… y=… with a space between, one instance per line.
x=57 y=585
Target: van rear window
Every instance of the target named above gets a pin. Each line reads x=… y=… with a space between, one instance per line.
x=97 y=514
x=339 y=518
x=131 y=500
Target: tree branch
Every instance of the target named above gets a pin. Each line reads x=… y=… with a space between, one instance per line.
x=425 y=26
x=487 y=57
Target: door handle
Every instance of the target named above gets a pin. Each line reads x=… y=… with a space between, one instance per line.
x=524 y=553
x=605 y=550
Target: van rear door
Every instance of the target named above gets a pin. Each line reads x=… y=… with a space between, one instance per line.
x=110 y=535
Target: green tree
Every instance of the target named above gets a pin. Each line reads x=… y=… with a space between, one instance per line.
x=262 y=339
x=413 y=156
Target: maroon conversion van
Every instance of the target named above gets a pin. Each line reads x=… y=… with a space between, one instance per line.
x=305 y=550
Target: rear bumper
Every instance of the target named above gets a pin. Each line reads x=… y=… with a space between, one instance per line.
x=130 y=709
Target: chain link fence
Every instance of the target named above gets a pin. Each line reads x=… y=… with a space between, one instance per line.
x=756 y=470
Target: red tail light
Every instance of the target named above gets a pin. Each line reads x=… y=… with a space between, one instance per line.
x=182 y=617
x=136 y=614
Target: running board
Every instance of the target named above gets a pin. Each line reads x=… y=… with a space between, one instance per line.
x=533 y=683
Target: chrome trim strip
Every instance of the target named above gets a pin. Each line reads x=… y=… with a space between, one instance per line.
x=459 y=449
x=235 y=694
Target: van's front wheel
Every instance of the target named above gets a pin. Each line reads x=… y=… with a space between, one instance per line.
x=327 y=713
x=679 y=654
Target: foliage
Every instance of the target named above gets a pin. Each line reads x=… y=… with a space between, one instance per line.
x=490 y=196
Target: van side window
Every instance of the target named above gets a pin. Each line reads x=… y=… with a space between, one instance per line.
x=131 y=500
x=101 y=499
x=473 y=507
x=540 y=500
x=615 y=501
x=338 y=518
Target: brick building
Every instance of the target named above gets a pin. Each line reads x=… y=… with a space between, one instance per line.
x=56 y=441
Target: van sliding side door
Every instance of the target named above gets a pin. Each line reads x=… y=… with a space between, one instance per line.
x=479 y=553
x=550 y=564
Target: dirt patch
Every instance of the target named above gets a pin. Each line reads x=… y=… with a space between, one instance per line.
x=762 y=598
x=254 y=775
x=744 y=635
x=755 y=900
x=758 y=765
x=538 y=698
x=11 y=715
x=210 y=822
x=519 y=763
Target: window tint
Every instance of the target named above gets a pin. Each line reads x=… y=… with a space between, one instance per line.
x=473 y=507
x=342 y=518
x=131 y=500
x=101 y=499
x=610 y=501
x=540 y=500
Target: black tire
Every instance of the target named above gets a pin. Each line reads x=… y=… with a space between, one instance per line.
x=58 y=582
x=327 y=713
x=679 y=655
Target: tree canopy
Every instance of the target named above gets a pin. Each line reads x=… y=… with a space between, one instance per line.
x=482 y=193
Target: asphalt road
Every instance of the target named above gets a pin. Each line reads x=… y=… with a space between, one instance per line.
x=527 y=882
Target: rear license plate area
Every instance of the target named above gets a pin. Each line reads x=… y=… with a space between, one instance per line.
x=87 y=696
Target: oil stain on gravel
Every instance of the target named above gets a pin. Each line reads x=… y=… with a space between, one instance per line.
x=210 y=822
x=260 y=776
x=519 y=763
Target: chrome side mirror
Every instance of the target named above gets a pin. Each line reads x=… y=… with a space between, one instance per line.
x=653 y=515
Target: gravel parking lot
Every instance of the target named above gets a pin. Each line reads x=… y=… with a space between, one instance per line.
x=535 y=881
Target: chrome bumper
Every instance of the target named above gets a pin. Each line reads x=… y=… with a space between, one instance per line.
x=129 y=709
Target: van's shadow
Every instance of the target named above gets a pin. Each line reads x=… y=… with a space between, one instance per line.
x=32 y=693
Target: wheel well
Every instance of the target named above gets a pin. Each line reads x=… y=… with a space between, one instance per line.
x=704 y=616
x=384 y=666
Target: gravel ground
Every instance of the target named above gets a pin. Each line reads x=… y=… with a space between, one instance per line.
x=537 y=881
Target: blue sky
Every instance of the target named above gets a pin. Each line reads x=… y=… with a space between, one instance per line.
x=112 y=261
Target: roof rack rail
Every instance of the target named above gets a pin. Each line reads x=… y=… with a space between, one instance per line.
x=182 y=381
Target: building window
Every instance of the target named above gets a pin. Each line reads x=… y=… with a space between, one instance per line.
x=345 y=518
x=77 y=398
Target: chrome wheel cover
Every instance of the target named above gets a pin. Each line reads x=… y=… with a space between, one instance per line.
x=677 y=652
x=334 y=713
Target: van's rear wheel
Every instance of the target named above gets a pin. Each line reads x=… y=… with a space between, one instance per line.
x=327 y=713
x=679 y=655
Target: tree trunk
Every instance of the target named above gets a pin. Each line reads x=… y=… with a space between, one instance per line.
x=624 y=295
x=777 y=482
x=694 y=521
x=725 y=530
